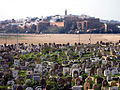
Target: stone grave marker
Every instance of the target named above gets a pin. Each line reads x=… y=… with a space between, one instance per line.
x=86 y=85
x=113 y=83
x=99 y=72
x=105 y=83
x=75 y=73
x=68 y=83
x=95 y=87
x=107 y=72
x=78 y=82
x=43 y=83
x=109 y=78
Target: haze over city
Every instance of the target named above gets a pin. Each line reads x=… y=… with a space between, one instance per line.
x=103 y=9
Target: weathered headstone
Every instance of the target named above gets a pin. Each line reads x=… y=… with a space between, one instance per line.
x=109 y=78
x=92 y=72
x=113 y=83
x=61 y=81
x=113 y=88
x=52 y=72
x=15 y=73
x=86 y=85
x=75 y=73
x=105 y=83
x=98 y=80
x=95 y=87
x=77 y=88
x=99 y=71
x=68 y=83
x=119 y=82
x=78 y=82
x=19 y=88
x=43 y=83
x=114 y=72
x=65 y=70
x=106 y=72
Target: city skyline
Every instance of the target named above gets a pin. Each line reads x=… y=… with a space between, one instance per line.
x=103 y=9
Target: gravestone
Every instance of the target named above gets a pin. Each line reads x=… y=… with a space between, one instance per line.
x=119 y=82
x=60 y=74
x=118 y=65
x=15 y=73
x=115 y=78
x=55 y=66
x=60 y=67
x=38 y=88
x=65 y=70
x=82 y=72
x=113 y=88
x=68 y=83
x=77 y=88
x=36 y=78
x=98 y=80
x=88 y=79
x=114 y=72
x=81 y=78
x=92 y=72
x=29 y=88
x=19 y=88
x=99 y=72
x=95 y=87
x=86 y=85
x=61 y=81
x=87 y=70
x=75 y=66
x=106 y=72
x=104 y=61
x=113 y=83
x=48 y=87
x=10 y=82
x=52 y=72
x=109 y=78
x=29 y=74
x=75 y=73
x=43 y=83
x=78 y=82
x=105 y=83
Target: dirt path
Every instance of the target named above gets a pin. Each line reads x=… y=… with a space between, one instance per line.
x=59 y=38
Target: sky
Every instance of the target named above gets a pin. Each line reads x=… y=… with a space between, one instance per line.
x=103 y=9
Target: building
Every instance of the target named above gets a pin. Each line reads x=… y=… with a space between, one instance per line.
x=42 y=26
x=65 y=12
x=83 y=24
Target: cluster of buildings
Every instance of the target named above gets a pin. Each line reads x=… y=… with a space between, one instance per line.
x=66 y=24
x=60 y=66
x=31 y=25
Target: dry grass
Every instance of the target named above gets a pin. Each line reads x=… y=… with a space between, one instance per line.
x=60 y=38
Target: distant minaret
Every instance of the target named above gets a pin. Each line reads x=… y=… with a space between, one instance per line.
x=37 y=30
x=65 y=12
x=105 y=27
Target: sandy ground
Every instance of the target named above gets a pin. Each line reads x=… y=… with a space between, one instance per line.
x=60 y=38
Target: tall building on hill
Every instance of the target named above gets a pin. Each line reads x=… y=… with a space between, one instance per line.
x=105 y=27
x=65 y=12
x=73 y=23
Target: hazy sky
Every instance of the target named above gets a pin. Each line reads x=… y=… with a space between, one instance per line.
x=104 y=9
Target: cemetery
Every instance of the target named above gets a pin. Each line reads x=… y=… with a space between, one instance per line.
x=52 y=66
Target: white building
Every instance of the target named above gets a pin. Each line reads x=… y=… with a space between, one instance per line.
x=15 y=73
